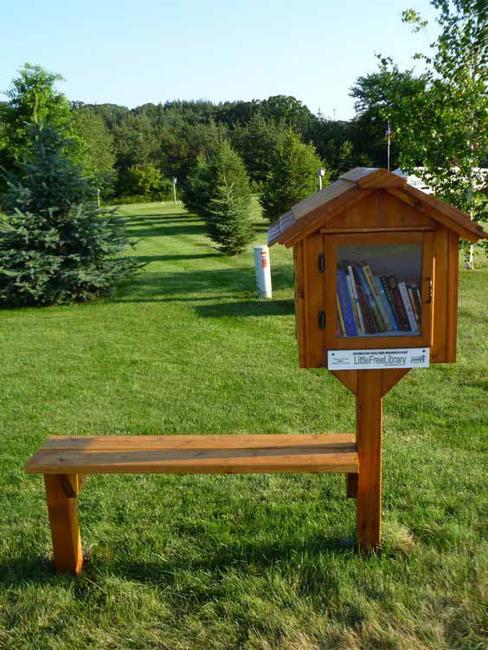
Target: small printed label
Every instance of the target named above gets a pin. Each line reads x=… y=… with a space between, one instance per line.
x=377 y=359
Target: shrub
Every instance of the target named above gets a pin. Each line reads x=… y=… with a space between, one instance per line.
x=146 y=179
x=56 y=246
x=293 y=175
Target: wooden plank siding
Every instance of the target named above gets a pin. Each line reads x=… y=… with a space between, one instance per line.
x=440 y=289
x=379 y=212
x=452 y=296
x=300 y=315
x=314 y=282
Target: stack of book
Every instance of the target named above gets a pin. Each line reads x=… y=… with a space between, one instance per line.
x=375 y=304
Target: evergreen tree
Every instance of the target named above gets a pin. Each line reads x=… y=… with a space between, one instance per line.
x=219 y=192
x=293 y=175
x=228 y=221
x=197 y=189
x=55 y=245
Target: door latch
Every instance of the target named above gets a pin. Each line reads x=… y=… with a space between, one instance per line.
x=321 y=263
x=322 y=320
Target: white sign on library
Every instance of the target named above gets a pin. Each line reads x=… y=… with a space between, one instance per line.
x=378 y=359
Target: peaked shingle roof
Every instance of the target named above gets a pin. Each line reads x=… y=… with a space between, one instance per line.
x=355 y=185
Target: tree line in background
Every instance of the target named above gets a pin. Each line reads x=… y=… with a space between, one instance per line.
x=273 y=147
x=221 y=153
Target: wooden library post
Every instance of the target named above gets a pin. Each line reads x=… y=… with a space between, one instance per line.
x=376 y=285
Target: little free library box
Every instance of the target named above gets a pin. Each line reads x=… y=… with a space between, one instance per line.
x=376 y=289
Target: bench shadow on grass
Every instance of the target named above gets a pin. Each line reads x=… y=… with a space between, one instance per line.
x=238 y=556
x=39 y=570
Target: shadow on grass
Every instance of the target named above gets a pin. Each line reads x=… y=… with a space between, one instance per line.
x=240 y=555
x=147 y=259
x=161 y=225
x=226 y=283
x=247 y=308
x=472 y=317
x=39 y=570
x=26 y=570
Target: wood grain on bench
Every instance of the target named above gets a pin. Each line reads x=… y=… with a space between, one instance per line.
x=200 y=454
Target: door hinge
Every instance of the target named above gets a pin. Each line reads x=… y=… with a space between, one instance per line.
x=321 y=262
x=322 y=320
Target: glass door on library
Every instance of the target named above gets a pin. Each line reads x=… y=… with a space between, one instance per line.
x=379 y=290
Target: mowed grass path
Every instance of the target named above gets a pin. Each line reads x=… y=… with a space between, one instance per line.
x=245 y=561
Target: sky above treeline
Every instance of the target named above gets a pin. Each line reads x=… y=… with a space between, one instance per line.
x=131 y=53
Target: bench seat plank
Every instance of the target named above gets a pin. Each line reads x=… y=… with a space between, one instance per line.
x=226 y=454
x=191 y=441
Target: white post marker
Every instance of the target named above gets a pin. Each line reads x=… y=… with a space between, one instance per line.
x=320 y=176
x=263 y=271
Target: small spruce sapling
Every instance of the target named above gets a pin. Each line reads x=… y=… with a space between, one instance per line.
x=219 y=192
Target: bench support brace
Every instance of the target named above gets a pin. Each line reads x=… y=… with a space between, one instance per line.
x=63 y=519
x=352 y=485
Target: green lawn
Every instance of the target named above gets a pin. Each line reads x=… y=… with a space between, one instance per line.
x=245 y=561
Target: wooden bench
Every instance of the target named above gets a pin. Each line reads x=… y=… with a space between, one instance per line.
x=65 y=461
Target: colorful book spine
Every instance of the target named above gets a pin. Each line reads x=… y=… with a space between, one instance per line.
x=410 y=289
x=341 y=330
x=355 y=298
x=369 y=324
x=378 y=300
x=397 y=302
x=393 y=325
x=374 y=304
x=408 y=306
x=355 y=307
x=417 y=301
x=345 y=304
x=374 y=316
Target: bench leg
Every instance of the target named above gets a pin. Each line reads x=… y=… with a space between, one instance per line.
x=368 y=440
x=61 y=492
x=352 y=485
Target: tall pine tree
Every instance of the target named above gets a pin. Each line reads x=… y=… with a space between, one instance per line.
x=219 y=192
x=56 y=246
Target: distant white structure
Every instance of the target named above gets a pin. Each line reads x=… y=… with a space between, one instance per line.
x=417 y=182
x=413 y=180
x=479 y=183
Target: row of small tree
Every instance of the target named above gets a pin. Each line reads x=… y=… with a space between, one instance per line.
x=58 y=246
x=218 y=189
